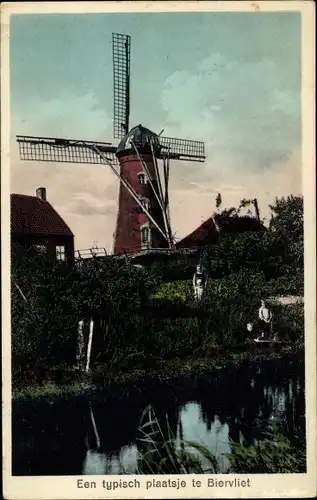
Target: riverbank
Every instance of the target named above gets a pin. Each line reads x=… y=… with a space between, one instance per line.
x=101 y=428
x=62 y=382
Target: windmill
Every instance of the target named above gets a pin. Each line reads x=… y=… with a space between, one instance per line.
x=141 y=162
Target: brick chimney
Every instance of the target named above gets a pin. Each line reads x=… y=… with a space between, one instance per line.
x=41 y=193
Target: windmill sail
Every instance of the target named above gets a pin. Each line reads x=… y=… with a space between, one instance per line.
x=64 y=150
x=121 y=48
x=143 y=220
x=80 y=151
x=182 y=149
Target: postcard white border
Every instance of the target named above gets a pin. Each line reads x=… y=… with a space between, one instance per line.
x=263 y=486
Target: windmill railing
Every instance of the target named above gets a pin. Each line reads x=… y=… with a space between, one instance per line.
x=132 y=252
x=89 y=253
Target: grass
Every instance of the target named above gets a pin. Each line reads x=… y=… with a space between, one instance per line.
x=171 y=333
x=49 y=389
x=144 y=345
x=71 y=382
x=273 y=455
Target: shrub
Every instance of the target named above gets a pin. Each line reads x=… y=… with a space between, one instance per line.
x=49 y=298
x=175 y=291
x=273 y=455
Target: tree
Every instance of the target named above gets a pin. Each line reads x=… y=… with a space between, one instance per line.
x=287 y=218
x=287 y=229
x=277 y=252
x=246 y=203
x=218 y=200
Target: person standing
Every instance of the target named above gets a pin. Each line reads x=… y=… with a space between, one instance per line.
x=199 y=281
x=265 y=320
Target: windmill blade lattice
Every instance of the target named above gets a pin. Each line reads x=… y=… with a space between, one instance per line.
x=121 y=47
x=182 y=149
x=64 y=150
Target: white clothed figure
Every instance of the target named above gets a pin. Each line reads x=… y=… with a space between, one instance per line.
x=264 y=313
x=265 y=317
x=198 y=283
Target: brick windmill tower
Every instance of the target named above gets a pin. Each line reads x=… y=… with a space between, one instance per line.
x=141 y=161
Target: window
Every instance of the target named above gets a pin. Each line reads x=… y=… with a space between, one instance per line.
x=60 y=253
x=145 y=203
x=145 y=236
x=142 y=178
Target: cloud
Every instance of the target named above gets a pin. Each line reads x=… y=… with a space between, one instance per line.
x=189 y=207
x=90 y=204
x=245 y=106
x=84 y=195
x=247 y=112
x=62 y=116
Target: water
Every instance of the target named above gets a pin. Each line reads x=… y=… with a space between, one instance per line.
x=99 y=434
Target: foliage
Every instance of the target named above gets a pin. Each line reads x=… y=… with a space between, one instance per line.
x=233 y=211
x=278 y=252
x=289 y=322
x=273 y=455
x=49 y=298
x=42 y=320
x=288 y=217
x=228 y=304
x=233 y=302
x=175 y=269
x=287 y=228
x=218 y=200
x=287 y=285
x=161 y=453
x=175 y=291
x=233 y=253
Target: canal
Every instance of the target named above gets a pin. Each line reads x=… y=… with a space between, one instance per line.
x=100 y=433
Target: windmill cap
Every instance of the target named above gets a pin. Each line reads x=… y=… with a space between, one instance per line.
x=139 y=136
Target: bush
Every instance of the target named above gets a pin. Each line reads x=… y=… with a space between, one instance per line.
x=177 y=291
x=43 y=321
x=289 y=284
x=273 y=455
x=233 y=301
x=49 y=298
x=289 y=322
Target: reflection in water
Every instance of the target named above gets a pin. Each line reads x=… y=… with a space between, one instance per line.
x=101 y=435
x=215 y=438
x=94 y=426
x=100 y=463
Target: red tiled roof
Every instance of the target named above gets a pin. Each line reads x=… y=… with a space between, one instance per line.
x=204 y=234
x=207 y=233
x=31 y=215
x=238 y=224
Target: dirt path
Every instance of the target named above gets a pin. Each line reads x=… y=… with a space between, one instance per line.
x=288 y=299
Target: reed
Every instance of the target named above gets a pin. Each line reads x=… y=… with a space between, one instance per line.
x=162 y=453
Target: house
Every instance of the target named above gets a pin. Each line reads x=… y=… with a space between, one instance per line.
x=208 y=232
x=34 y=222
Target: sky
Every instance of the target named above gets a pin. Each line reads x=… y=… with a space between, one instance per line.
x=231 y=80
